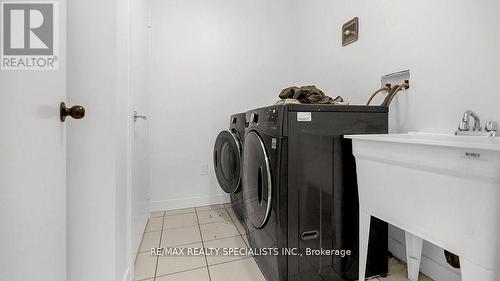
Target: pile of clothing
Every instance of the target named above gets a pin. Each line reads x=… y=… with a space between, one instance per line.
x=308 y=94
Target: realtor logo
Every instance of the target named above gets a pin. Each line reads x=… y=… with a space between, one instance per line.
x=29 y=33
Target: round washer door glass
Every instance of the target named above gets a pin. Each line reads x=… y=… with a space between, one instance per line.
x=227 y=161
x=257 y=184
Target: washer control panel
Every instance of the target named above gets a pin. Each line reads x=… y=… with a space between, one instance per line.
x=267 y=120
x=271 y=116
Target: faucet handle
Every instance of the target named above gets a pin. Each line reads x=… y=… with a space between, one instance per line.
x=464 y=126
x=491 y=126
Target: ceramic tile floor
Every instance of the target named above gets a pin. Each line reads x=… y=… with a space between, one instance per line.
x=398 y=272
x=213 y=226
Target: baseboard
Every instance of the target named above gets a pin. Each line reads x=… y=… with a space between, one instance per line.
x=127 y=276
x=428 y=266
x=188 y=202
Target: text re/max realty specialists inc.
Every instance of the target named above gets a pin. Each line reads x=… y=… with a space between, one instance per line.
x=248 y=252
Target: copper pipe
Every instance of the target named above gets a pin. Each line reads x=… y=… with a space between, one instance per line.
x=387 y=87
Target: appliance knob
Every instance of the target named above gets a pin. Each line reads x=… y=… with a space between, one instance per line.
x=254 y=118
x=491 y=126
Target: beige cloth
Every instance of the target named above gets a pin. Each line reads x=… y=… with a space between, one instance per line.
x=287 y=101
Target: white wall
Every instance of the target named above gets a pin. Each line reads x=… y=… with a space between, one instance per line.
x=122 y=120
x=451 y=48
x=209 y=60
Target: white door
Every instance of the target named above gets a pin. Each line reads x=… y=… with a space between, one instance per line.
x=139 y=73
x=140 y=182
x=33 y=165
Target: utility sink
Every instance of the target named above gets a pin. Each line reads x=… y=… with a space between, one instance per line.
x=441 y=188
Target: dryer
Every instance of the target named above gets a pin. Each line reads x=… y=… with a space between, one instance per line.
x=228 y=161
x=300 y=190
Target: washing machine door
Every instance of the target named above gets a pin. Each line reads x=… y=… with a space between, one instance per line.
x=227 y=161
x=257 y=180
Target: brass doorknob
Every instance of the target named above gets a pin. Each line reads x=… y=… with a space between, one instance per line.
x=77 y=112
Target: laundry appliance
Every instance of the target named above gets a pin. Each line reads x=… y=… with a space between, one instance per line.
x=228 y=161
x=300 y=191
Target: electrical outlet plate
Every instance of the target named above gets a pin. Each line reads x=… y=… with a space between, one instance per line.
x=350 y=32
x=204 y=169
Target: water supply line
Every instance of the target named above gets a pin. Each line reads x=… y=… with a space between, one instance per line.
x=393 y=91
x=389 y=94
x=386 y=88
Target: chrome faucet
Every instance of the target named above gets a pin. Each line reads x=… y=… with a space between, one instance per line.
x=465 y=123
x=464 y=128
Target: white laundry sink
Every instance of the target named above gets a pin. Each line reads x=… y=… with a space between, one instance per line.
x=441 y=188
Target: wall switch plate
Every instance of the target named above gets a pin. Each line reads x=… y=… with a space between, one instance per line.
x=204 y=169
x=350 y=32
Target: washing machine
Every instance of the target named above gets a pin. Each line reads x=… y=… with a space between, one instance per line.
x=300 y=191
x=228 y=161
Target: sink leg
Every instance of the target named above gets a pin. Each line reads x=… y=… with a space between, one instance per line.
x=364 y=236
x=413 y=255
x=473 y=272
